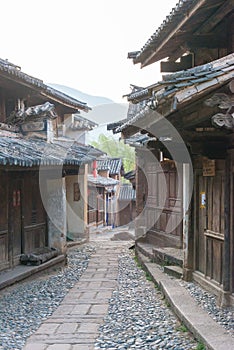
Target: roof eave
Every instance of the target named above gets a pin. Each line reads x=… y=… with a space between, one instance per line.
x=14 y=73
x=148 y=58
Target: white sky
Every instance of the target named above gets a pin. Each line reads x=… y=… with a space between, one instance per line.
x=82 y=43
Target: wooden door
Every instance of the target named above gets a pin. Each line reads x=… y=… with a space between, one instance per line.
x=34 y=215
x=4 y=237
x=16 y=218
x=200 y=222
x=92 y=198
x=164 y=204
x=210 y=223
x=100 y=206
x=27 y=216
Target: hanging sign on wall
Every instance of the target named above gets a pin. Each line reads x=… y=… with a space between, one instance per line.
x=208 y=167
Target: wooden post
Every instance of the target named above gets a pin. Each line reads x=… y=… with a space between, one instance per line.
x=188 y=232
x=226 y=255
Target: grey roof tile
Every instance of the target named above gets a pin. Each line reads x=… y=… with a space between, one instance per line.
x=182 y=85
x=102 y=181
x=113 y=164
x=35 y=152
x=14 y=72
x=176 y=14
x=127 y=193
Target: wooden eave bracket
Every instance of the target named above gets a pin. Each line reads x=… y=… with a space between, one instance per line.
x=224 y=102
x=223 y=120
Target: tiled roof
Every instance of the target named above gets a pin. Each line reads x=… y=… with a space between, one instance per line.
x=181 y=87
x=171 y=21
x=138 y=140
x=127 y=193
x=113 y=126
x=102 y=181
x=113 y=164
x=33 y=113
x=81 y=123
x=188 y=16
x=130 y=175
x=13 y=72
x=34 y=152
x=133 y=109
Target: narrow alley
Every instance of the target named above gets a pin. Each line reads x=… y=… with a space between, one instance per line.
x=101 y=300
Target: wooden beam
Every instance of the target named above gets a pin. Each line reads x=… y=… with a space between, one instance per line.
x=211 y=149
x=212 y=41
x=182 y=49
x=129 y=131
x=192 y=135
x=170 y=66
x=192 y=116
x=187 y=15
x=216 y=17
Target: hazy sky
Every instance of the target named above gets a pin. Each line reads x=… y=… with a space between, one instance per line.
x=82 y=43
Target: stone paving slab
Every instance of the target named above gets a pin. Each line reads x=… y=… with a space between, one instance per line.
x=74 y=324
x=74 y=318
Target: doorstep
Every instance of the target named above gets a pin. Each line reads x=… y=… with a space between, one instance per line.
x=20 y=272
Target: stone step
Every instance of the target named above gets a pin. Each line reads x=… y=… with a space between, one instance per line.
x=145 y=249
x=168 y=256
x=175 y=271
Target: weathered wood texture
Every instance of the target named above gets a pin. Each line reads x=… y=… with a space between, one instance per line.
x=92 y=206
x=141 y=183
x=209 y=235
x=96 y=206
x=34 y=220
x=164 y=204
x=23 y=220
x=4 y=235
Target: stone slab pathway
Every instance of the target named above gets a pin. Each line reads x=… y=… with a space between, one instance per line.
x=74 y=325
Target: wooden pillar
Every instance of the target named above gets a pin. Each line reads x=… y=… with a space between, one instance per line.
x=226 y=257
x=141 y=194
x=224 y=300
x=232 y=222
x=188 y=226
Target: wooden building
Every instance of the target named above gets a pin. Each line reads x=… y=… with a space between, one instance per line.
x=111 y=167
x=101 y=194
x=188 y=117
x=126 y=204
x=35 y=164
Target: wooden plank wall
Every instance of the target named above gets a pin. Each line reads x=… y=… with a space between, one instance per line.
x=210 y=223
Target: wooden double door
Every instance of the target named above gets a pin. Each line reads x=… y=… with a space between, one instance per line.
x=23 y=220
x=164 y=202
